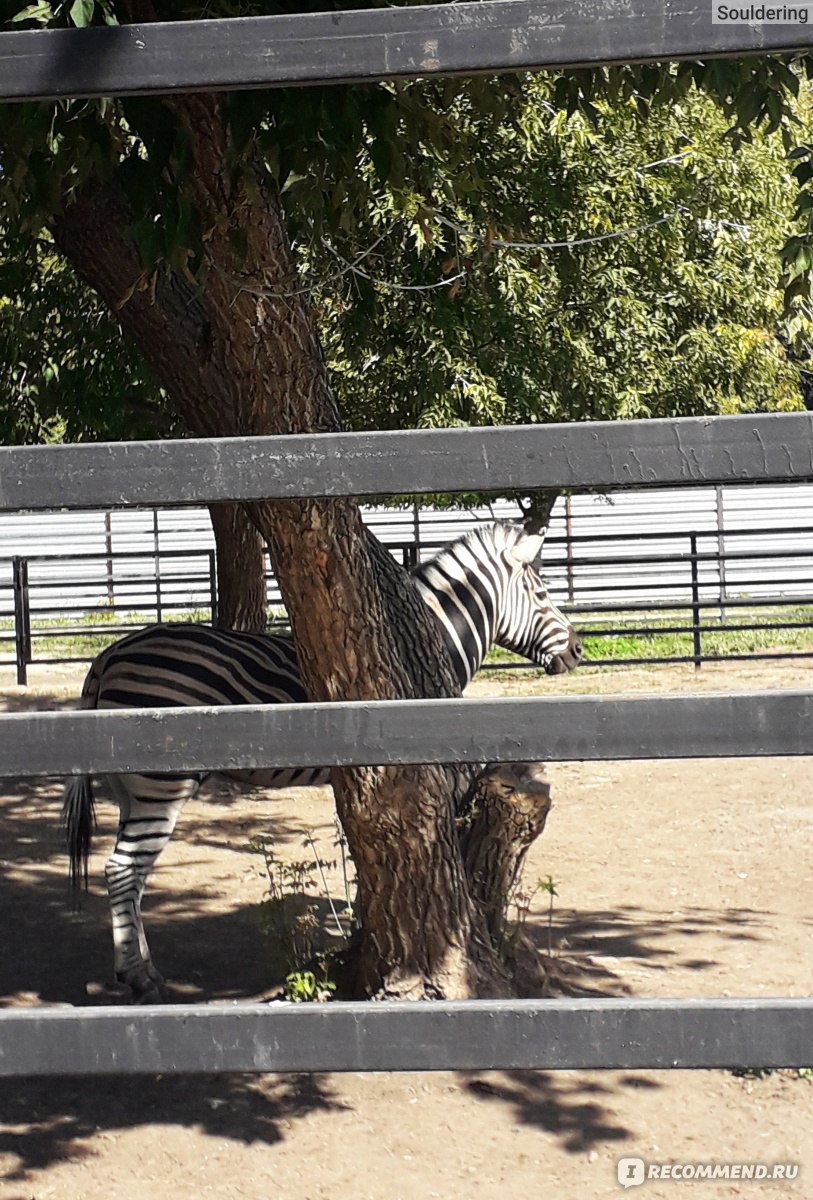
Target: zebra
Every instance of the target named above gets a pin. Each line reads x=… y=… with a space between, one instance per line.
x=483 y=589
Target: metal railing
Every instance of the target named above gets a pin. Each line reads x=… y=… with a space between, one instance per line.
x=693 y=584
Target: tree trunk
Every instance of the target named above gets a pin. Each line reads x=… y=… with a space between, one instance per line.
x=242 y=359
x=510 y=803
x=539 y=505
x=240 y=570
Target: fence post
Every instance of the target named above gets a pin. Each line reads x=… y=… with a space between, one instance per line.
x=108 y=549
x=22 y=618
x=698 y=649
x=569 y=550
x=721 y=551
x=156 y=549
x=213 y=586
x=416 y=530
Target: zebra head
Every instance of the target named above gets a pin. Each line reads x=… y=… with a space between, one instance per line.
x=527 y=621
x=484 y=589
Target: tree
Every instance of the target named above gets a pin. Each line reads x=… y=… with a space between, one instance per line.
x=183 y=213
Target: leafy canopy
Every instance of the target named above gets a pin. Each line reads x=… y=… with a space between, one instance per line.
x=400 y=198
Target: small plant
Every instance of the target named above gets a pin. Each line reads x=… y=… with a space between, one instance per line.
x=548 y=884
x=287 y=917
x=306 y=987
x=803 y=1073
x=521 y=900
x=290 y=920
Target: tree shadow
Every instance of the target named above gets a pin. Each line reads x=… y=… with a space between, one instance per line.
x=588 y=950
x=50 y=952
x=564 y=1104
x=46 y=1121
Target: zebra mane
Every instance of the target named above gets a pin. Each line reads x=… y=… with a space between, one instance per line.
x=496 y=537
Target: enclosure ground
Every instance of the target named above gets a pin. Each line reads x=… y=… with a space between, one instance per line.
x=674 y=879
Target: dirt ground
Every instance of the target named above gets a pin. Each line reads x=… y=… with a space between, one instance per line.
x=674 y=879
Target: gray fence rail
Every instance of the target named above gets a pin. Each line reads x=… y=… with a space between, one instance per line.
x=601 y=455
x=373 y=44
x=462 y=1036
x=361 y=733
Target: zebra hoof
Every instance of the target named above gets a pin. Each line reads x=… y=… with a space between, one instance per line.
x=150 y=995
x=142 y=989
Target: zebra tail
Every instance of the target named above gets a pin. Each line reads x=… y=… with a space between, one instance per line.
x=79 y=822
x=78 y=804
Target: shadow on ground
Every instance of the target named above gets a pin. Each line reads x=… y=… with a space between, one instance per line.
x=49 y=954
x=43 y=1122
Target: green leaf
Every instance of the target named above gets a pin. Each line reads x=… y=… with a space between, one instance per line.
x=292 y=179
x=41 y=12
x=82 y=13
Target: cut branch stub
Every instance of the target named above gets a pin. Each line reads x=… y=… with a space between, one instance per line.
x=507 y=810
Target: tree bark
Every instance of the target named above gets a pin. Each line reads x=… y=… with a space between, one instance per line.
x=510 y=803
x=242 y=358
x=539 y=505
x=240 y=570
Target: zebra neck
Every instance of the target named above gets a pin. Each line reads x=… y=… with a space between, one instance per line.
x=464 y=609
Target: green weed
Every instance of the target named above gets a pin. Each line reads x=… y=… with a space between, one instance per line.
x=717 y=641
x=289 y=919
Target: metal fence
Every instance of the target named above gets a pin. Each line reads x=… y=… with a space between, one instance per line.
x=651 y=585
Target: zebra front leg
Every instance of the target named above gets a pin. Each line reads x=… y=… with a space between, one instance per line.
x=145 y=826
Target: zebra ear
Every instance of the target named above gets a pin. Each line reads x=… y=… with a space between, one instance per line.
x=528 y=545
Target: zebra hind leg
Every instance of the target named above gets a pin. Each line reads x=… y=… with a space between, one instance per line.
x=149 y=807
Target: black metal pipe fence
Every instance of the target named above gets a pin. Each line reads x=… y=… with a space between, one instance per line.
x=692 y=587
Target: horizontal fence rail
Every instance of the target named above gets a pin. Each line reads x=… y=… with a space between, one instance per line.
x=407 y=731
x=774 y=447
x=403 y=1036
x=376 y=44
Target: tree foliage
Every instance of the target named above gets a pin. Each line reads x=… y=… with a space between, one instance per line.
x=65 y=371
x=614 y=267
x=558 y=248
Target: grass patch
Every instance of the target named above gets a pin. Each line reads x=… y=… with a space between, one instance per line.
x=86 y=635
x=715 y=639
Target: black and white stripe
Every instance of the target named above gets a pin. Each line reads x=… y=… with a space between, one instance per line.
x=484 y=590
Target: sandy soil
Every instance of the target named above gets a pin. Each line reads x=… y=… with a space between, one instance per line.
x=674 y=879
